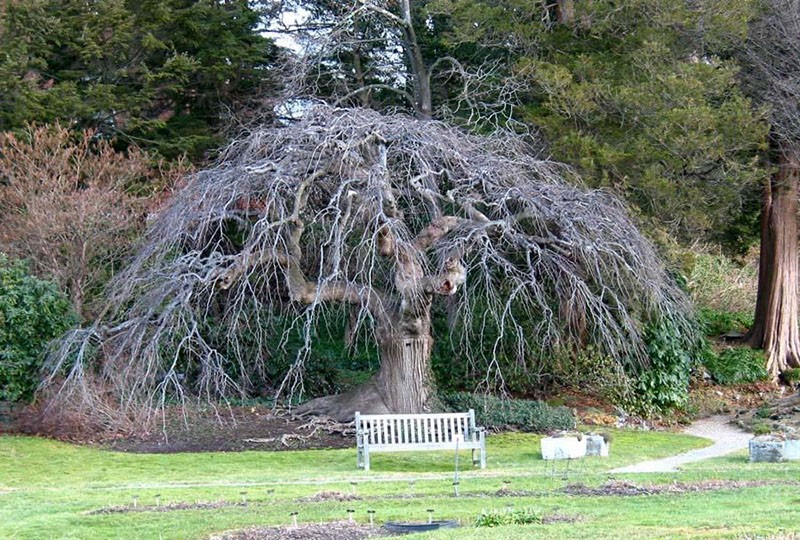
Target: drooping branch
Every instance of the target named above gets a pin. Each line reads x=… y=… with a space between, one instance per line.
x=382 y=214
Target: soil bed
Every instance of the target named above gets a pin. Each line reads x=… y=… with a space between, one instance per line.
x=340 y=530
x=205 y=430
x=621 y=488
x=251 y=428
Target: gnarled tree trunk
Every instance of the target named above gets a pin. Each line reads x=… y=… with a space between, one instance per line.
x=403 y=384
x=775 y=329
x=404 y=380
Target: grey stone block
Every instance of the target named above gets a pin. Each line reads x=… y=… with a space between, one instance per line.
x=766 y=448
x=791 y=449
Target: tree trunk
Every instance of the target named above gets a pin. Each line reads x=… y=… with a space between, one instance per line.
x=775 y=326
x=565 y=11
x=404 y=380
x=423 y=96
x=403 y=384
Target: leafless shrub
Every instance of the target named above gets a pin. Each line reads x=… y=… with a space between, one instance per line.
x=67 y=206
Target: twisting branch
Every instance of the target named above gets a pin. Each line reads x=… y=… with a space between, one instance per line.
x=379 y=213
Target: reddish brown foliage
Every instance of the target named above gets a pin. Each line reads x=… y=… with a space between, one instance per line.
x=72 y=205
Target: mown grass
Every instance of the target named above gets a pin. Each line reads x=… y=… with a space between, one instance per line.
x=52 y=490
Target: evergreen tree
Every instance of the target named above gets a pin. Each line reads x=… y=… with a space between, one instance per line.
x=640 y=98
x=772 y=75
x=157 y=73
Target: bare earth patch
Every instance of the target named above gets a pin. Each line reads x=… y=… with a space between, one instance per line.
x=243 y=428
x=221 y=429
x=623 y=488
x=339 y=530
x=326 y=496
x=171 y=507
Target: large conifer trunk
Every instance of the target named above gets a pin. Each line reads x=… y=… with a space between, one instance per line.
x=775 y=329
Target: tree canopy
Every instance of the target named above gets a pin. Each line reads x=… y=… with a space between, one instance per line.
x=381 y=213
x=641 y=97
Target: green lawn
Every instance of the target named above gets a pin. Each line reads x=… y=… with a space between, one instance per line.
x=54 y=490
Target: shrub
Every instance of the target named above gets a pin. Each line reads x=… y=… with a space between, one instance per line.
x=717 y=323
x=664 y=384
x=69 y=207
x=32 y=312
x=721 y=284
x=591 y=371
x=493 y=412
x=736 y=365
x=496 y=518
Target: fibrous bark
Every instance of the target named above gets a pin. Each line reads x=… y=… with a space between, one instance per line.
x=772 y=74
x=775 y=329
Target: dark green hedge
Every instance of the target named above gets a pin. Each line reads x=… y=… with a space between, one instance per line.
x=495 y=413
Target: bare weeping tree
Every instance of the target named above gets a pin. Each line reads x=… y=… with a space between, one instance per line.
x=383 y=214
x=772 y=72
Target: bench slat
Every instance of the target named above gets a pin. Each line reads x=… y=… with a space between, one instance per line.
x=421 y=447
x=418 y=432
x=430 y=416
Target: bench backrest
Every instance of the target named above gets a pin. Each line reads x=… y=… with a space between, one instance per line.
x=401 y=429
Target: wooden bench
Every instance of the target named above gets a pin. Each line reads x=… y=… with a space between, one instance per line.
x=418 y=432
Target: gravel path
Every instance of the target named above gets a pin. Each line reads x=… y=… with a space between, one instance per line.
x=727 y=439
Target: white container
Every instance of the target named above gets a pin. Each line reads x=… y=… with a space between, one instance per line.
x=568 y=447
x=596 y=445
x=791 y=449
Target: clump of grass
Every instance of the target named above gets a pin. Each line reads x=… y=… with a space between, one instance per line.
x=761 y=428
x=735 y=365
x=722 y=284
x=497 y=518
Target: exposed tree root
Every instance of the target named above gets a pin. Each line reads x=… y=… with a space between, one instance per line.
x=342 y=407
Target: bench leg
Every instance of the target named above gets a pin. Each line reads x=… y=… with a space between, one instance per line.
x=483 y=450
x=366 y=458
